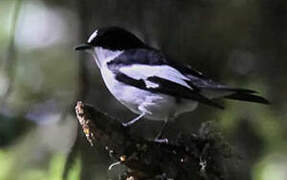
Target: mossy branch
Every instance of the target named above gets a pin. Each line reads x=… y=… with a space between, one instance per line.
x=190 y=157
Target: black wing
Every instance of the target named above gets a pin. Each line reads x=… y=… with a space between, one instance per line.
x=198 y=82
x=166 y=87
x=202 y=83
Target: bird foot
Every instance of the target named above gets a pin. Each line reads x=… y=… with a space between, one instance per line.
x=126 y=124
x=113 y=165
x=163 y=140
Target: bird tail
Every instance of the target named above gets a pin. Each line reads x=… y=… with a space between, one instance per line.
x=247 y=95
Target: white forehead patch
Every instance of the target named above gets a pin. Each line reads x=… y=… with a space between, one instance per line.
x=95 y=33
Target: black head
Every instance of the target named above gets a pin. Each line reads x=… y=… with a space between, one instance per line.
x=113 y=38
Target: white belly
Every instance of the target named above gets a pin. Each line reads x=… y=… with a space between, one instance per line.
x=156 y=106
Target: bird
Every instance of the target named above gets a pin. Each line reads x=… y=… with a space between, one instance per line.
x=151 y=84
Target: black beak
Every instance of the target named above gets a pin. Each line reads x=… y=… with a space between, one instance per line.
x=82 y=47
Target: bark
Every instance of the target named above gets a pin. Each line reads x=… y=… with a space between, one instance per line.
x=193 y=156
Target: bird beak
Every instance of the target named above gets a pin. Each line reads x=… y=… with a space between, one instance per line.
x=82 y=47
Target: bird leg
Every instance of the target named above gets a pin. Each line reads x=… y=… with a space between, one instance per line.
x=133 y=121
x=158 y=137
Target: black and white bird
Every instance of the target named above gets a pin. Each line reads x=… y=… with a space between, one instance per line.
x=149 y=83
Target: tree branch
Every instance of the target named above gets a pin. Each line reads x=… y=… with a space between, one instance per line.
x=189 y=157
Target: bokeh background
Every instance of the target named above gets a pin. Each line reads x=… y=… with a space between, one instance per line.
x=238 y=42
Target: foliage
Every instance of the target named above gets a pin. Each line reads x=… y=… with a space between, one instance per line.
x=241 y=43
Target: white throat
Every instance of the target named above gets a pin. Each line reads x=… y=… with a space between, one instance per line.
x=103 y=56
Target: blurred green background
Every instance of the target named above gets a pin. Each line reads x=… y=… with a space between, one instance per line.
x=239 y=42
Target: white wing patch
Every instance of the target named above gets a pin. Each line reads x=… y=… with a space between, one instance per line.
x=150 y=84
x=139 y=71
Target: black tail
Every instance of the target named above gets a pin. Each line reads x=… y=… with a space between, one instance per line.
x=245 y=96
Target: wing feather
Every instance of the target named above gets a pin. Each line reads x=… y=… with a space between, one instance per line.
x=167 y=87
x=149 y=69
x=140 y=71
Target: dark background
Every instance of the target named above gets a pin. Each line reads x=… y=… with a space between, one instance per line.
x=238 y=42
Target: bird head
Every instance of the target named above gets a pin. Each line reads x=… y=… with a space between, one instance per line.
x=107 y=43
x=112 y=38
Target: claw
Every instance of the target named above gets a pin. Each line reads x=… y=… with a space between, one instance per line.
x=114 y=164
x=164 y=140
